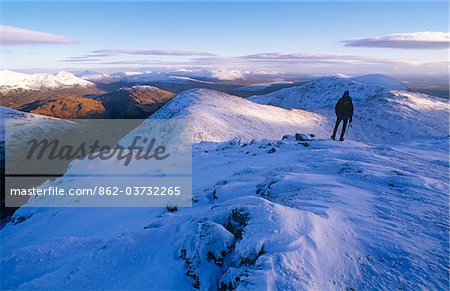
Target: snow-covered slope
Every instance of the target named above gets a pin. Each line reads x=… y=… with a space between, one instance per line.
x=319 y=215
x=19 y=121
x=397 y=116
x=13 y=80
x=27 y=124
x=216 y=116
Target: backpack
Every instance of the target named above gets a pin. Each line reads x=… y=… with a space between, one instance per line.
x=344 y=107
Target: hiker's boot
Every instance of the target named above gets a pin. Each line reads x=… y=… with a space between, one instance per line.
x=341 y=139
x=333 y=137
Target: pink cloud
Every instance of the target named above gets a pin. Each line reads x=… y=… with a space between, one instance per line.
x=10 y=35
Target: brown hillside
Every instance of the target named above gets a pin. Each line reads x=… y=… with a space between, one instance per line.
x=134 y=102
x=71 y=107
x=130 y=102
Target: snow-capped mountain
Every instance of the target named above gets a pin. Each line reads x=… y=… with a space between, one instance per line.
x=159 y=77
x=217 y=116
x=97 y=77
x=183 y=75
x=10 y=80
x=131 y=73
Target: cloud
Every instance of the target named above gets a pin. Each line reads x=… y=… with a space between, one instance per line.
x=80 y=59
x=307 y=58
x=86 y=58
x=131 y=62
x=152 y=52
x=414 y=40
x=280 y=56
x=98 y=56
x=320 y=64
x=10 y=35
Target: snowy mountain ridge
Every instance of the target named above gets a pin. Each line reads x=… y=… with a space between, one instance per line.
x=385 y=118
x=323 y=92
x=10 y=80
x=216 y=116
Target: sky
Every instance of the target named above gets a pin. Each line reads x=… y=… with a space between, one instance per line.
x=297 y=36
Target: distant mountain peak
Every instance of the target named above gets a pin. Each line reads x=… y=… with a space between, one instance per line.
x=94 y=76
x=10 y=80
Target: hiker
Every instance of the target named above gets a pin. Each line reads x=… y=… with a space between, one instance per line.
x=344 y=112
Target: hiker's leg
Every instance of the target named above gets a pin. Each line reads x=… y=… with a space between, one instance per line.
x=344 y=127
x=338 y=120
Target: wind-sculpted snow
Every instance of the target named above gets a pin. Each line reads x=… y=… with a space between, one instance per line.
x=295 y=215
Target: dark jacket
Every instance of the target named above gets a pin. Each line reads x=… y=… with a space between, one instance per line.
x=344 y=107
